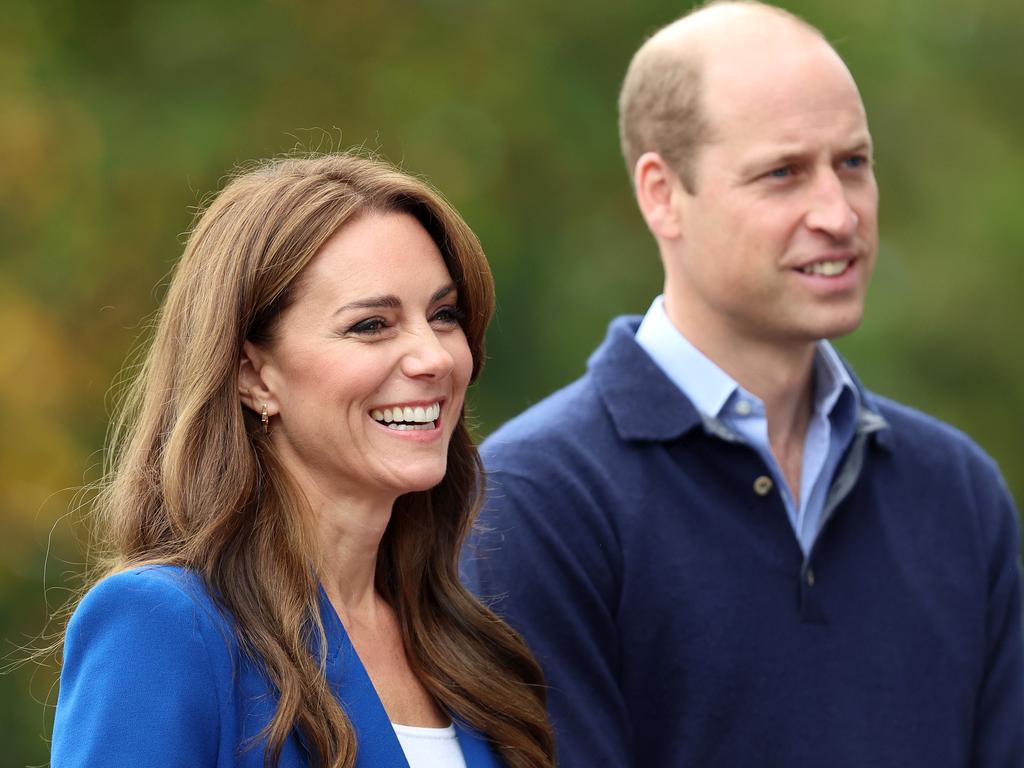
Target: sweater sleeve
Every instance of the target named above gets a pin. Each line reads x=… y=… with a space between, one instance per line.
x=137 y=686
x=541 y=558
x=999 y=718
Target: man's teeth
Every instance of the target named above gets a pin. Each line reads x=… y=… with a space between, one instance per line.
x=826 y=268
x=408 y=417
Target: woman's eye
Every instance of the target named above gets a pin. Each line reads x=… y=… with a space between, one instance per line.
x=369 y=326
x=450 y=315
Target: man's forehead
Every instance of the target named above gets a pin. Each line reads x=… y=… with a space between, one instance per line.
x=748 y=53
x=767 y=81
x=756 y=56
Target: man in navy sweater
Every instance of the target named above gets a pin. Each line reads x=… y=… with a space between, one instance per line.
x=722 y=548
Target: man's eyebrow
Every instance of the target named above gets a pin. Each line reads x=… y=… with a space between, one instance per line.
x=775 y=159
x=390 y=301
x=789 y=155
x=863 y=145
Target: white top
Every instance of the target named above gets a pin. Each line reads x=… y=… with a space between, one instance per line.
x=430 y=747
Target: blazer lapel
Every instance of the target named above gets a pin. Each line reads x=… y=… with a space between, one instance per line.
x=378 y=745
x=475 y=749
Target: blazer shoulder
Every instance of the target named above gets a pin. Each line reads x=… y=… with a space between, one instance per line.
x=151 y=586
x=147 y=676
x=149 y=606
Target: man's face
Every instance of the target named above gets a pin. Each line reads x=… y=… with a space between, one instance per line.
x=779 y=240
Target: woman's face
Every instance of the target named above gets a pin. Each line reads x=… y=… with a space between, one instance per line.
x=369 y=365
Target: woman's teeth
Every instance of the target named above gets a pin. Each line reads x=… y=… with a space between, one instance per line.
x=407 y=417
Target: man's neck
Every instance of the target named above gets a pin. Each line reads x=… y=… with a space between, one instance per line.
x=780 y=374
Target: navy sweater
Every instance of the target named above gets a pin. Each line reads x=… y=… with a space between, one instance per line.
x=661 y=586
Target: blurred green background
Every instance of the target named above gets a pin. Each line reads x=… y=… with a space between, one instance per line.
x=116 y=118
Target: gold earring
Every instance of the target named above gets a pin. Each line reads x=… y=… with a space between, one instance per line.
x=265 y=420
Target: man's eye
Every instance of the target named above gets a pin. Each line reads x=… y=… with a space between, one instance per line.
x=781 y=173
x=857 y=161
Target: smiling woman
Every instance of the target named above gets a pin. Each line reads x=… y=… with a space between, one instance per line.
x=375 y=329
x=290 y=480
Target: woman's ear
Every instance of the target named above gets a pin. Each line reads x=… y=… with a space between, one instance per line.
x=252 y=388
x=658 y=191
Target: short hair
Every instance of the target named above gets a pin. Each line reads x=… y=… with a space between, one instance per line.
x=660 y=103
x=659 y=110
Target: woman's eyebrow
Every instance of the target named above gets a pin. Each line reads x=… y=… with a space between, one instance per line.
x=373 y=302
x=440 y=293
x=390 y=301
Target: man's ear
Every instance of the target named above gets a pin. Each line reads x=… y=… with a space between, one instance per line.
x=252 y=387
x=658 y=193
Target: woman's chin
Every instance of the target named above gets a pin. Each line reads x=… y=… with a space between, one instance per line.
x=424 y=480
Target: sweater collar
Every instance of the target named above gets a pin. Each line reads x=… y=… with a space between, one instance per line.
x=644 y=404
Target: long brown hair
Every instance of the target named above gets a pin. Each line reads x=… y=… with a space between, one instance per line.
x=192 y=481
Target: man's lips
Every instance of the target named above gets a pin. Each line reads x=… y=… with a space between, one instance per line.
x=827 y=267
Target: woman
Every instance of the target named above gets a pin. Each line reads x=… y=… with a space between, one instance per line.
x=291 y=480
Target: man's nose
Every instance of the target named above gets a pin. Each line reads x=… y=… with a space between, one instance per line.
x=830 y=210
x=427 y=356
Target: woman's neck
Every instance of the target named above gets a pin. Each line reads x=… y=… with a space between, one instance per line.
x=349 y=532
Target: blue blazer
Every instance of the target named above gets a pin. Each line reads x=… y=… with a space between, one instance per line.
x=153 y=676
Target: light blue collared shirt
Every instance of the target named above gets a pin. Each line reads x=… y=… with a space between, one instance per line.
x=717 y=396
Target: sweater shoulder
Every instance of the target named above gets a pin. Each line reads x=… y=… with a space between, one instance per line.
x=563 y=423
x=933 y=440
x=949 y=475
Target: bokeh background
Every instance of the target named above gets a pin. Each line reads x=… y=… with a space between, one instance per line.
x=118 y=117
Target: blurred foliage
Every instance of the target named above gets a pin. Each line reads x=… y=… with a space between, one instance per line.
x=117 y=117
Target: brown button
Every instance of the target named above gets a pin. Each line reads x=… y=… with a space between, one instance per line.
x=810 y=578
x=763 y=485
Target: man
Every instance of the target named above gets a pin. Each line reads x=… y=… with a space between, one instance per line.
x=724 y=550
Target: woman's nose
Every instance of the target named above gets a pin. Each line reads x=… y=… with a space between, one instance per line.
x=427 y=356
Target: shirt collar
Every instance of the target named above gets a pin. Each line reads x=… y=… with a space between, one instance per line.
x=832 y=381
x=710 y=388
x=644 y=404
